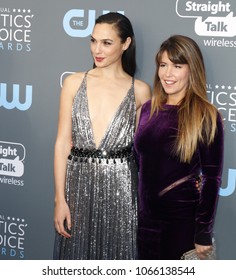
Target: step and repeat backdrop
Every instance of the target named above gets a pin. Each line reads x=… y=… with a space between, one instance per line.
x=41 y=42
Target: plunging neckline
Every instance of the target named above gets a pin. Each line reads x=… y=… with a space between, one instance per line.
x=110 y=123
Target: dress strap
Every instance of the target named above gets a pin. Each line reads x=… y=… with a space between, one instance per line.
x=85 y=78
x=133 y=79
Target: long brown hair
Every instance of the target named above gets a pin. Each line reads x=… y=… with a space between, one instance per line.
x=196 y=115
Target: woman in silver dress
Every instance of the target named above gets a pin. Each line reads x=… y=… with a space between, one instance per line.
x=96 y=179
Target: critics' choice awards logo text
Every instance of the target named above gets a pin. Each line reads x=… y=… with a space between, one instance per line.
x=212 y=18
x=12 y=157
x=80 y=23
x=15 y=29
x=224 y=97
x=12 y=237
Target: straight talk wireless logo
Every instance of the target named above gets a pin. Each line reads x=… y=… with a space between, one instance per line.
x=12 y=157
x=212 y=19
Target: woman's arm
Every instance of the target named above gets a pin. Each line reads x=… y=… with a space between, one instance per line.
x=61 y=152
x=211 y=159
x=142 y=95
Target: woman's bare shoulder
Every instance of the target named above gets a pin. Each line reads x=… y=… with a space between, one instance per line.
x=74 y=79
x=72 y=82
x=142 y=92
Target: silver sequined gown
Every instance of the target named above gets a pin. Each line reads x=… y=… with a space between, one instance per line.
x=101 y=192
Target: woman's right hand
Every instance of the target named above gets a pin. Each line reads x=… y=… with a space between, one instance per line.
x=61 y=218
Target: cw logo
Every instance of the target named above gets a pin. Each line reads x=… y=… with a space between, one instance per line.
x=73 y=22
x=15 y=102
x=231 y=183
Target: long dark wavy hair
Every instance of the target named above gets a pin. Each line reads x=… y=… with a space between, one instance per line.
x=124 y=30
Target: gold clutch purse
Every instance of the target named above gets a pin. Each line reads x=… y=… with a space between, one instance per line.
x=192 y=255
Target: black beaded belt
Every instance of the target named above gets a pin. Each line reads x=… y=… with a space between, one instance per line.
x=83 y=155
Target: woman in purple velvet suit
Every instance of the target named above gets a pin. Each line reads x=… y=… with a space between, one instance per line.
x=179 y=136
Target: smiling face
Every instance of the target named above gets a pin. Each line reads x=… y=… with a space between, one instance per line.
x=106 y=46
x=174 y=79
